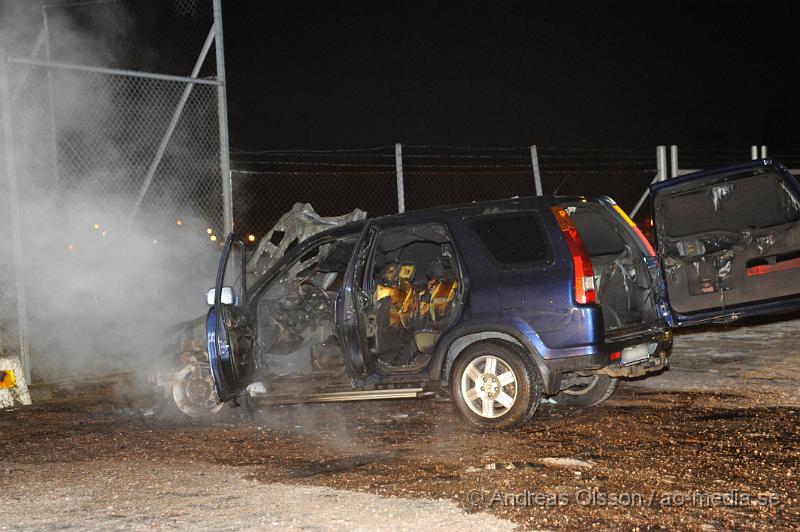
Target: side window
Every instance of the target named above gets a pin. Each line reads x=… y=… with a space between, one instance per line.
x=514 y=239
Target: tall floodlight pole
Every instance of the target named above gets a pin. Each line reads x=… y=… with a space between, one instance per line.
x=222 y=111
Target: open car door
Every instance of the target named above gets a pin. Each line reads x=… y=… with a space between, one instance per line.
x=229 y=327
x=354 y=312
x=729 y=242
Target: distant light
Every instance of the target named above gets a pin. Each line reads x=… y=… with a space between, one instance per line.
x=213 y=238
x=96 y=226
x=104 y=233
x=179 y=222
x=71 y=247
x=155 y=241
x=209 y=230
x=251 y=238
x=651 y=222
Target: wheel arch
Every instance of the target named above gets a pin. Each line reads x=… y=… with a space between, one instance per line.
x=455 y=343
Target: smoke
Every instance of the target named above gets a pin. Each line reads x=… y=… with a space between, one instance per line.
x=102 y=285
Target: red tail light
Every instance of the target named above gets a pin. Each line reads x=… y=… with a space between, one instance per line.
x=584 y=274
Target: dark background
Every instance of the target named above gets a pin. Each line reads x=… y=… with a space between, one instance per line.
x=333 y=74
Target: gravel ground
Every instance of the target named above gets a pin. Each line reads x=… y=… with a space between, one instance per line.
x=712 y=443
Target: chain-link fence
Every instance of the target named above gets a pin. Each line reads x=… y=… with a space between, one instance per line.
x=267 y=183
x=113 y=124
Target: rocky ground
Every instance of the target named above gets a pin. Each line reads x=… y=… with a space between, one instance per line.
x=713 y=443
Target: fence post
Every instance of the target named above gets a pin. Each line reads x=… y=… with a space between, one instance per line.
x=661 y=175
x=673 y=161
x=14 y=213
x=763 y=152
x=222 y=112
x=398 y=168
x=754 y=152
x=537 y=176
x=661 y=163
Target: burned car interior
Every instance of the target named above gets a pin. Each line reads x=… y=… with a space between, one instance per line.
x=295 y=311
x=729 y=242
x=414 y=291
x=622 y=280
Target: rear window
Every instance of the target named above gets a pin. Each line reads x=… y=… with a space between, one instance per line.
x=751 y=203
x=513 y=239
x=597 y=233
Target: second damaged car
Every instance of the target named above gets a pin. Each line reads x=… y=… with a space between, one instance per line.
x=501 y=303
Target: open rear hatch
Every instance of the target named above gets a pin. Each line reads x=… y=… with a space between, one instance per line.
x=729 y=242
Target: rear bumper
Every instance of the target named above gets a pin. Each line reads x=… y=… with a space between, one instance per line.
x=602 y=362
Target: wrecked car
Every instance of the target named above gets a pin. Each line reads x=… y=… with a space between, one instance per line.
x=184 y=377
x=498 y=304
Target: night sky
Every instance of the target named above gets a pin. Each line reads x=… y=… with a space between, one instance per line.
x=339 y=74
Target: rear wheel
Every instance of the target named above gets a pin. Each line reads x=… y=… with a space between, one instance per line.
x=494 y=384
x=593 y=391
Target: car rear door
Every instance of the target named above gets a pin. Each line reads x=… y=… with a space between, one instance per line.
x=230 y=328
x=729 y=242
x=354 y=314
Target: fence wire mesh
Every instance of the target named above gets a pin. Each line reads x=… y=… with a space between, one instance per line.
x=102 y=155
x=267 y=183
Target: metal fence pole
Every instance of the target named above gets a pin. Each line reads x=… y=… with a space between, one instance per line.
x=222 y=111
x=763 y=152
x=33 y=55
x=754 y=152
x=173 y=123
x=673 y=161
x=661 y=162
x=661 y=175
x=398 y=167
x=537 y=175
x=14 y=213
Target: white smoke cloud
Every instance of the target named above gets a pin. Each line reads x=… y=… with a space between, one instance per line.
x=101 y=287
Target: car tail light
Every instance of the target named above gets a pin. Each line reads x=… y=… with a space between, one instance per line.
x=636 y=230
x=584 y=274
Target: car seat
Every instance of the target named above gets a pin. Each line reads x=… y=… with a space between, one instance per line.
x=440 y=291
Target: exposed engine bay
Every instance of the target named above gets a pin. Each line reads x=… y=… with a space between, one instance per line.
x=731 y=242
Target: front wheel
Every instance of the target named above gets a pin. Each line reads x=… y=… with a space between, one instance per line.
x=593 y=391
x=495 y=385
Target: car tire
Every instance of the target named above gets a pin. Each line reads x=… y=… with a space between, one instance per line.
x=495 y=385
x=595 y=393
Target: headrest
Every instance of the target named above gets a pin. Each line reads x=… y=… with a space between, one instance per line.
x=441 y=268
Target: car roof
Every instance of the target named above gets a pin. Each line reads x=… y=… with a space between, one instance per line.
x=474 y=207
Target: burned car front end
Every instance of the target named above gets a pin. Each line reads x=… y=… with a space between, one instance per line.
x=184 y=378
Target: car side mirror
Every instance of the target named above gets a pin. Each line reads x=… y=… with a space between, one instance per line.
x=226 y=298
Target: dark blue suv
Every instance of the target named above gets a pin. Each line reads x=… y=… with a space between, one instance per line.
x=504 y=302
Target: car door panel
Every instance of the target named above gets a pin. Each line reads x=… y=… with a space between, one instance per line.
x=352 y=312
x=229 y=326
